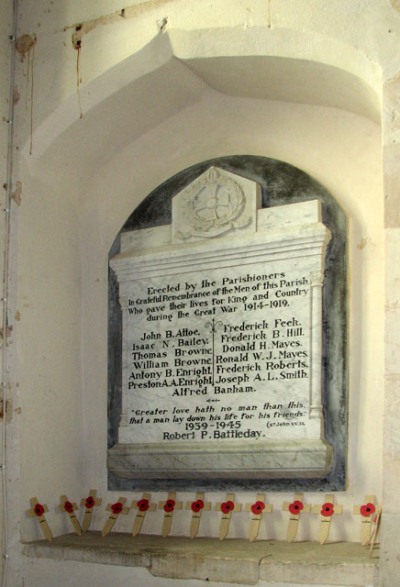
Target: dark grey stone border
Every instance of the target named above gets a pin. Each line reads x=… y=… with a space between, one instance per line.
x=281 y=184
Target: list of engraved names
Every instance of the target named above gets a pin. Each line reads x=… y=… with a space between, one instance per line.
x=224 y=356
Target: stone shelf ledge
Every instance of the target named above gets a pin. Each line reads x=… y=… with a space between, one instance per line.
x=230 y=561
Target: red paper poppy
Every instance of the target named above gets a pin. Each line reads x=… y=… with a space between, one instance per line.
x=169 y=505
x=327 y=510
x=227 y=507
x=367 y=510
x=143 y=505
x=39 y=510
x=69 y=507
x=116 y=507
x=258 y=507
x=197 y=505
x=89 y=502
x=296 y=507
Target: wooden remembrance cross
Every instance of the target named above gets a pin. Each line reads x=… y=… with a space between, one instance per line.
x=258 y=508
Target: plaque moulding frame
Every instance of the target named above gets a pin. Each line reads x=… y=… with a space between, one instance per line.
x=247 y=235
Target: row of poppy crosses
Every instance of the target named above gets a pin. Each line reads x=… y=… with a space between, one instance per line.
x=369 y=511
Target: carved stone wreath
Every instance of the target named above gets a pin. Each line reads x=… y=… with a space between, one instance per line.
x=214 y=205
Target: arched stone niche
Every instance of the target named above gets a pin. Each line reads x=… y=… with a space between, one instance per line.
x=280 y=184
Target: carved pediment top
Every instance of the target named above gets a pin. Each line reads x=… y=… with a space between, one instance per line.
x=214 y=203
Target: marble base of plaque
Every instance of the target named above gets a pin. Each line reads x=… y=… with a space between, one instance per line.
x=274 y=460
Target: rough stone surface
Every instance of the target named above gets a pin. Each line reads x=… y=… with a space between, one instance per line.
x=233 y=561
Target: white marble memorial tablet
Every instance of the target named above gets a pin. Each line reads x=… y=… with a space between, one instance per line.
x=222 y=320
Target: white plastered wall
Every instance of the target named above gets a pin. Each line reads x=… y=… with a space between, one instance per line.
x=146 y=117
x=321 y=142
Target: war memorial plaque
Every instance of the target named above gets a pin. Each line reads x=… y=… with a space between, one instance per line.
x=221 y=349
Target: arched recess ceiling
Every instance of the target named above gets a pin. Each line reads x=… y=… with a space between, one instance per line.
x=171 y=73
x=291 y=80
